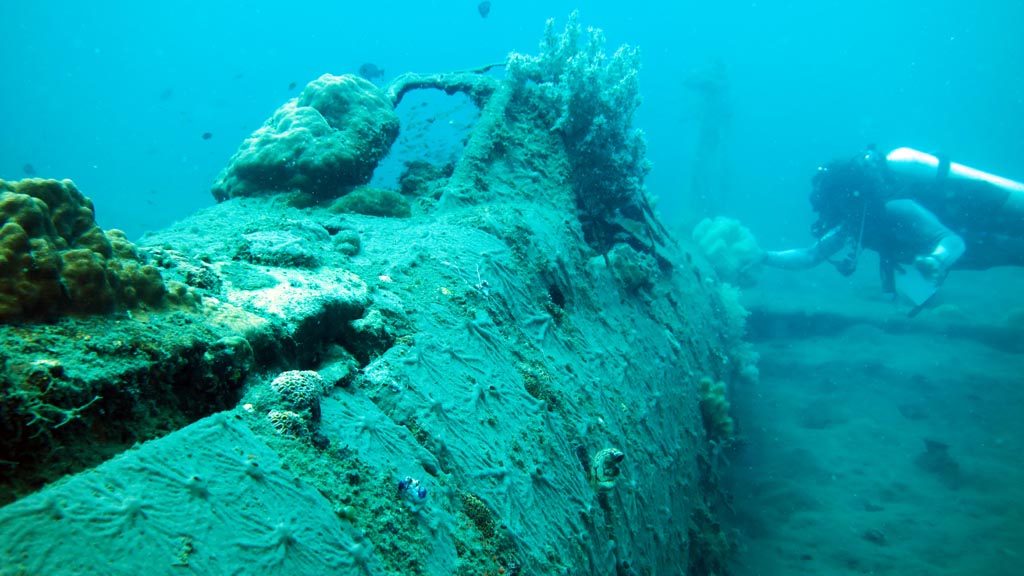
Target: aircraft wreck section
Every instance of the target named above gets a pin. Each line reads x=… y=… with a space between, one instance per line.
x=507 y=365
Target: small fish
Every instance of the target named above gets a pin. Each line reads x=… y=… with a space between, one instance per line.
x=207 y=135
x=484 y=8
x=166 y=94
x=292 y=85
x=369 y=70
x=29 y=169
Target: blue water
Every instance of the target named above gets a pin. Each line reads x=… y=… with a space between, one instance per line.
x=117 y=95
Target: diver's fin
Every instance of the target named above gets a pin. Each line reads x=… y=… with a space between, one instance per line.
x=915 y=287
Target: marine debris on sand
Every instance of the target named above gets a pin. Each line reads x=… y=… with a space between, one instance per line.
x=501 y=377
x=937 y=461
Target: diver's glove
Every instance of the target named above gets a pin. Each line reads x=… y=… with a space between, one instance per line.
x=848 y=265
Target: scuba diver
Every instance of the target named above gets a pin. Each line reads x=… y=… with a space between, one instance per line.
x=923 y=214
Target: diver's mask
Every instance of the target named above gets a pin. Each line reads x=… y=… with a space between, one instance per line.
x=841 y=190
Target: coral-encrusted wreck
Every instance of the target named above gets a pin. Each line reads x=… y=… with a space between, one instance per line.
x=503 y=380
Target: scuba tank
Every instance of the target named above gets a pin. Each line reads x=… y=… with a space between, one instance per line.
x=916 y=164
x=967 y=201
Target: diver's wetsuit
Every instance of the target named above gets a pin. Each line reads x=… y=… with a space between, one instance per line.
x=965 y=218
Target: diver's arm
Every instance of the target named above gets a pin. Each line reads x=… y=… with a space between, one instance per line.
x=804 y=258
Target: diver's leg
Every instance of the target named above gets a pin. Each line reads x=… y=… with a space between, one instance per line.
x=1005 y=239
x=1011 y=215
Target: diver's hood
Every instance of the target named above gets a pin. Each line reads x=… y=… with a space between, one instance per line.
x=839 y=189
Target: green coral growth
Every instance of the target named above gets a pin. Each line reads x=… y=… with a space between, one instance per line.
x=710 y=547
x=55 y=261
x=714 y=409
x=372 y=201
x=478 y=513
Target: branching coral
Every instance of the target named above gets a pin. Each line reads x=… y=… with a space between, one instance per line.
x=595 y=97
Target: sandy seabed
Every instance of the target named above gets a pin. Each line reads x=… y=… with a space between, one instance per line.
x=875 y=444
